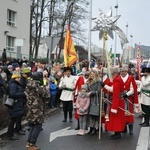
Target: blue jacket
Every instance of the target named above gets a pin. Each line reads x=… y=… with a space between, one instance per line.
x=53 y=88
x=16 y=92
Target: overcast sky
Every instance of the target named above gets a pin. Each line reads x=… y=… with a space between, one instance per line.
x=134 y=12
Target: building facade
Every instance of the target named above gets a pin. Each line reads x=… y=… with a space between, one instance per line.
x=15 y=27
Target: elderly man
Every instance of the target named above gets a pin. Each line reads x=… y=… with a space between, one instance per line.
x=130 y=96
x=116 y=121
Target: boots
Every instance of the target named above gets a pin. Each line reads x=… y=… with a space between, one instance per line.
x=146 y=124
x=93 y=132
x=125 y=129
x=65 y=117
x=90 y=131
x=115 y=136
x=70 y=116
x=33 y=147
x=131 y=129
x=78 y=126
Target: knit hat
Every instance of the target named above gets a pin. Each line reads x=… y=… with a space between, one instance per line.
x=10 y=66
x=84 y=87
x=26 y=71
x=16 y=74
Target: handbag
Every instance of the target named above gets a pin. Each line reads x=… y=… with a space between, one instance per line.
x=9 y=102
x=94 y=109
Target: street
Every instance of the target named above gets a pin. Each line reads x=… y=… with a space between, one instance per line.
x=57 y=135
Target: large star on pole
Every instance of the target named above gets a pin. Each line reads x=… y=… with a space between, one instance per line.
x=106 y=23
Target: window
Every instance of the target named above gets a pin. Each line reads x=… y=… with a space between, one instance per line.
x=10 y=43
x=11 y=18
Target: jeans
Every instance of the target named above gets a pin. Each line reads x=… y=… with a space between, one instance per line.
x=34 y=133
x=52 y=101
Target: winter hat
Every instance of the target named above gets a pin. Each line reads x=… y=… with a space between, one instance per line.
x=84 y=87
x=26 y=71
x=16 y=74
x=10 y=66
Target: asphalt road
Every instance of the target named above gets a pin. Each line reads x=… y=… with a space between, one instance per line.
x=68 y=140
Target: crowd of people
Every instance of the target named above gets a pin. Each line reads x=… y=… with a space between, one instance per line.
x=86 y=96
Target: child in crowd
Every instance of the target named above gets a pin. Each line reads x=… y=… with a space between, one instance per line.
x=82 y=105
x=53 y=92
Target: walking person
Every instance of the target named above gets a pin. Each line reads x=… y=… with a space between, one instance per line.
x=82 y=104
x=67 y=84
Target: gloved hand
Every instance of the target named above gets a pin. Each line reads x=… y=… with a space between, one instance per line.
x=102 y=83
x=80 y=110
x=125 y=95
x=83 y=111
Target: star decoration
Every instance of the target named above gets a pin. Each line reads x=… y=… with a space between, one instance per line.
x=106 y=23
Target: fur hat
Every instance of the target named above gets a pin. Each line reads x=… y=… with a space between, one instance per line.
x=67 y=69
x=16 y=74
x=124 y=68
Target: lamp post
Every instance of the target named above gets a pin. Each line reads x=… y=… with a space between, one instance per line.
x=116 y=7
x=126 y=43
x=129 y=50
x=90 y=26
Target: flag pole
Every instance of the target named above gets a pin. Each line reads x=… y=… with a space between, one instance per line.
x=101 y=98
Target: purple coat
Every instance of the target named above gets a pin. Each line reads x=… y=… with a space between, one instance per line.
x=82 y=103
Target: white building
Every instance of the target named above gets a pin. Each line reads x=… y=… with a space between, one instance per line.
x=14 y=24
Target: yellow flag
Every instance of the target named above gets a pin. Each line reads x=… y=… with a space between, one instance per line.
x=70 y=55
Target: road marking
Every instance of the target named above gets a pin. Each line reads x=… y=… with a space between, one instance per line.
x=62 y=132
x=143 y=141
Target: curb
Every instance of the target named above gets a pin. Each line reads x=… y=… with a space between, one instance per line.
x=24 y=123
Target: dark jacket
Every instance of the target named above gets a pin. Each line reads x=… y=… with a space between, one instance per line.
x=16 y=92
x=1 y=87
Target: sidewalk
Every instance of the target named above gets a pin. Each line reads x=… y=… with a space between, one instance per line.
x=48 y=113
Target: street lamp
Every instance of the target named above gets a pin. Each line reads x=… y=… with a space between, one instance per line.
x=126 y=43
x=129 y=50
x=116 y=7
x=90 y=26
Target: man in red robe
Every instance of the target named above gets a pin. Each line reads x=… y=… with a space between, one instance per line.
x=116 y=121
x=130 y=97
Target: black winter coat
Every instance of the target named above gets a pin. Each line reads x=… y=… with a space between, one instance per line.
x=16 y=92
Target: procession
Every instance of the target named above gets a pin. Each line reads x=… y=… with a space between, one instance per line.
x=56 y=86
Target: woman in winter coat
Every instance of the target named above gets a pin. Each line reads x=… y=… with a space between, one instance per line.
x=94 y=88
x=16 y=93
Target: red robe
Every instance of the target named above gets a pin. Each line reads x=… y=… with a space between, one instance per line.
x=133 y=98
x=116 y=121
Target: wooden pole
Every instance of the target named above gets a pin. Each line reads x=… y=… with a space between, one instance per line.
x=101 y=99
